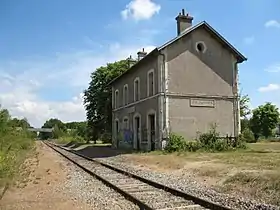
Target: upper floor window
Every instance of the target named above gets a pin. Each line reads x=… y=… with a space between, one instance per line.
x=116 y=99
x=150 y=83
x=125 y=94
x=137 y=89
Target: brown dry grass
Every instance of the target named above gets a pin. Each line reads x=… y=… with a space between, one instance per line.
x=39 y=186
x=253 y=173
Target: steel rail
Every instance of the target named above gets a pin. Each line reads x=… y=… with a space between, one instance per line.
x=200 y=201
x=129 y=197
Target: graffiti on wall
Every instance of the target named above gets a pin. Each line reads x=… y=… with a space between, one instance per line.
x=127 y=135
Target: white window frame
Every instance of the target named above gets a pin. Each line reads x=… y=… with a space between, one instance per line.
x=125 y=95
x=134 y=95
x=117 y=99
x=148 y=82
x=125 y=118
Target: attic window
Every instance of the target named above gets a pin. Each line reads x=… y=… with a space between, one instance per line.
x=200 y=47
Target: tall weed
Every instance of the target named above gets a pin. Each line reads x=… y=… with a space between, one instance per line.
x=14 y=146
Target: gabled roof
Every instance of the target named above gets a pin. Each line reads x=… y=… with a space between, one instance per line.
x=239 y=56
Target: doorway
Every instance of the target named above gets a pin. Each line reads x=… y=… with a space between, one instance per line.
x=117 y=132
x=137 y=132
x=151 y=130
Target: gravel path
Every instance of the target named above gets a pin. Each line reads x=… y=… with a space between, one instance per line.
x=190 y=186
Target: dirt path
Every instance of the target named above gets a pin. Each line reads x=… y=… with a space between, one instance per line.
x=42 y=187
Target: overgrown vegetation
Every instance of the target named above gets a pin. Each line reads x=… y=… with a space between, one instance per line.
x=210 y=141
x=15 y=143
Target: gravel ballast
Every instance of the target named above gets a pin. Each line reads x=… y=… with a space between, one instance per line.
x=188 y=185
x=83 y=186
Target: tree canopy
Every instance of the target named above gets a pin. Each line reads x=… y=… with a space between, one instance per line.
x=73 y=129
x=265 y=118
x=98 y=98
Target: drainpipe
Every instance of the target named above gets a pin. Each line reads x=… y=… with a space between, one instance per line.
x=236 y=103
x=163 y=90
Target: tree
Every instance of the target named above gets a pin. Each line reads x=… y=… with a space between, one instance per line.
x=56 y=132
x=52 y=122
x=58 y=126
x=23 y=123
x=98 y=98
x=265 y=118
x=244 y=106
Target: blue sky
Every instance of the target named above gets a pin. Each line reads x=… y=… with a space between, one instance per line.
x=49 y=48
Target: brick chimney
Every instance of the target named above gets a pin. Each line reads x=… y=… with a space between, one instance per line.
x=184 y=21
x=141 y=54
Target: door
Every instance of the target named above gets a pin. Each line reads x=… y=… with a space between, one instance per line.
x=151 y=131
x=137 y=125
x=137 y=134
x=117 y=132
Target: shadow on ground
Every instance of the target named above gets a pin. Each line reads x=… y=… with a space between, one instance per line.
x=97 y=151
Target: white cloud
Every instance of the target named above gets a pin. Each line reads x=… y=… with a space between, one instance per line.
x=19 y=92
x=140 y=9
x=273 y=68
x=269 y=88
x=272 y=23
x=249 y=40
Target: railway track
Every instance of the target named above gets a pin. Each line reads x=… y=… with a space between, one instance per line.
x=146 y=194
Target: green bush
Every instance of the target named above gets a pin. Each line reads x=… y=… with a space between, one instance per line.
x=210 y=141
x=247 y=136
x=106 y=138
x=175 y=143
x=192 y=146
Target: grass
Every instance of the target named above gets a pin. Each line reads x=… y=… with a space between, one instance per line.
x=254 y=172
x=15 y=147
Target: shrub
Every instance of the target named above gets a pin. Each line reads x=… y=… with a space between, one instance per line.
x=175 y=143
x=106 y=138
x=192 y=146
x=247 y=136
x=211 y=141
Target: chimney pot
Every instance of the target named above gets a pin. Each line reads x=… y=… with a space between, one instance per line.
x=141 y=54
x=131 y=61
x=184 y=21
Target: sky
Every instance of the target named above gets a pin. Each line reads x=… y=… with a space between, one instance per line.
x=49 y=48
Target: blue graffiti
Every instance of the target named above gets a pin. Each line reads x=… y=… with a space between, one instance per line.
x=128 y=134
